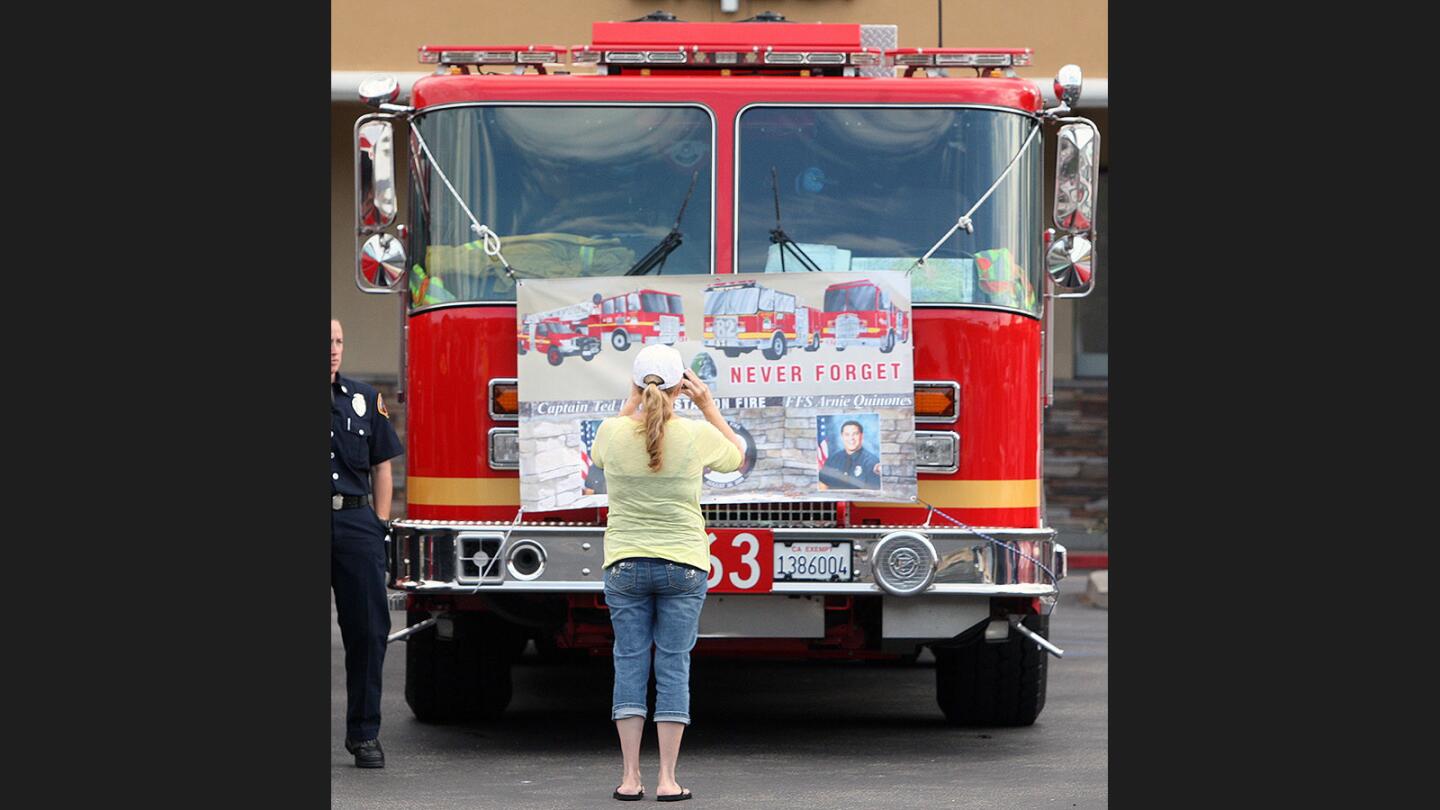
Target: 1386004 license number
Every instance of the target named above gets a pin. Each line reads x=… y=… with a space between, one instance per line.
x=817 y=561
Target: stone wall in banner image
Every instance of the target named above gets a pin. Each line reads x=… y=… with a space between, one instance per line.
x=783 y=462
x=551 y=465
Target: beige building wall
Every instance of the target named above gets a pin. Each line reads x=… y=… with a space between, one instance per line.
x=372 y=322
x=382 y=36
x=1065 y=308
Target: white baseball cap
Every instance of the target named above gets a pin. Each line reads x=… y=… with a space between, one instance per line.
x=662 y=361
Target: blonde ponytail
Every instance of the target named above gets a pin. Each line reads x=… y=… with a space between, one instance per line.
x=658 y=411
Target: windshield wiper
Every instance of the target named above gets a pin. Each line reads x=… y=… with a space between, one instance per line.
x=672 y=240
x=779 y=237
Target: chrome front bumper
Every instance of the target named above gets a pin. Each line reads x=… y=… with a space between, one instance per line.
x=441 y=557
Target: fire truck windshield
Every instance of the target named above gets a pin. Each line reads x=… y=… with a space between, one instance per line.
x=733 y=301
x=661 y=303
x=571 y=191
x=872 y=188
x=852 y=299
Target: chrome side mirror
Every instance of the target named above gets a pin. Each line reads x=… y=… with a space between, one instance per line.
x=1077 y=177
x=375 y=201
x=1067 y=85
x=379 y=89
x=380 y=266
x=1071 y=264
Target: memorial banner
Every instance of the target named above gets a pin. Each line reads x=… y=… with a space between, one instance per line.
x=812 y=370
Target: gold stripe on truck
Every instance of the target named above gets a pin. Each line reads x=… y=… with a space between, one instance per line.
x=1018 y=494
x=462 y=491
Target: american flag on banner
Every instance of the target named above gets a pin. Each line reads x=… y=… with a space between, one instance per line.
x=587 y=439
x=822 y=451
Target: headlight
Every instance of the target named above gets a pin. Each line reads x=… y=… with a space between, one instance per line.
x=504 y=448
x=937 y=451
x=903 y=563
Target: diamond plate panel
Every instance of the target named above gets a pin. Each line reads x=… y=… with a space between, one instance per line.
x=883 y=37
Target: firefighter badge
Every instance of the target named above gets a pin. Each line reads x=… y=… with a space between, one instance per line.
x=358 y=403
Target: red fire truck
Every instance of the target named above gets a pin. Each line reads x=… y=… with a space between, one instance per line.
x=741 y=316
x=642 y=316
x=859 y=313
x=874 y=157
x=558 y=340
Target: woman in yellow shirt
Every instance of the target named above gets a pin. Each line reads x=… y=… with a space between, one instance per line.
x=657 y=557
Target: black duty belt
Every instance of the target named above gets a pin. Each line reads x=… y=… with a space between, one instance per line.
x=338 y=502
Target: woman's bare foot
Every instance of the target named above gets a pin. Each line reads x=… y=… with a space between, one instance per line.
x=631 y=785
x=671 y=788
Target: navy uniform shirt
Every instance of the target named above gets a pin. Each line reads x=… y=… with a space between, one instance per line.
x=851 y=471
x=361 y=435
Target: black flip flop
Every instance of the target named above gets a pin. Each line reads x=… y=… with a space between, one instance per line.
x=675 y=797
x=629 y=797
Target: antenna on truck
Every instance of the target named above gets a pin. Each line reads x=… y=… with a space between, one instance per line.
x=658 y=15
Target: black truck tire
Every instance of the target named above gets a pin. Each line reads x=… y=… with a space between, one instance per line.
x=1000 y=684
x=777 y=349
x=464 y=677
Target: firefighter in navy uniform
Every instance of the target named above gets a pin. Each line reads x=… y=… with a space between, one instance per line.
x=362 y=442
x=856 y=468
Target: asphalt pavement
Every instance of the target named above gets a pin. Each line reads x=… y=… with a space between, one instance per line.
x=765 y=734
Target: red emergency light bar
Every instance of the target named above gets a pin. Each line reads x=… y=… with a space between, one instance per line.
x=627 y=36
x=726 y=45
x=719 y=57
x=960 y=57
x=492 y=54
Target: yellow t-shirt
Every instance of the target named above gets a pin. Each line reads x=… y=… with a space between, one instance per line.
x=657 y=514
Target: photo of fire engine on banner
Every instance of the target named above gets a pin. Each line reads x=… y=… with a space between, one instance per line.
x=812 y=370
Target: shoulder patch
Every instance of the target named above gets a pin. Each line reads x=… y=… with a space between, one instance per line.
x=380 y=405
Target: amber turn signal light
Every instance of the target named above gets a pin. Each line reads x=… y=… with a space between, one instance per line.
x=504 y=399
x=937 y=401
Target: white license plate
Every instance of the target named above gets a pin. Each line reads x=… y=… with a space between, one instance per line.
x=820 y=562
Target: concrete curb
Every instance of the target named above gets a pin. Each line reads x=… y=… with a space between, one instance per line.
x=1097 y=589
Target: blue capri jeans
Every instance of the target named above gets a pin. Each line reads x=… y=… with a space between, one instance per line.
x=658 y=602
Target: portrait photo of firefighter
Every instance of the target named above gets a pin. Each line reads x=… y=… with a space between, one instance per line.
x=847 y=451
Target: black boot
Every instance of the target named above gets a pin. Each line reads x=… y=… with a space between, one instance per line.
x=367 y=753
